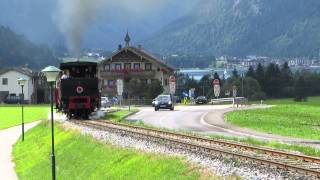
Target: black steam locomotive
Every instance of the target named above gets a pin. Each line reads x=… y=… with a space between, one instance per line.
x=77 y=92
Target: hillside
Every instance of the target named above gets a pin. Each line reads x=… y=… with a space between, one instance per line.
x=16 y=50
x=38 y=20
x=244 y=27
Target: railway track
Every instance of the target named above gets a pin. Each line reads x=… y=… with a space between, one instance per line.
x=293 y=163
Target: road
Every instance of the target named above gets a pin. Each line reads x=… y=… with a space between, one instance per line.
x=182 y=118
x=206 y=119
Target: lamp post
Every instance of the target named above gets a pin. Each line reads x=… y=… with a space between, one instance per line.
x=22 y=82
x=51 y=74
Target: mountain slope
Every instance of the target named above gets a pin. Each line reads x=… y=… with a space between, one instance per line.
x=38 y=21
x=244 y=27
x=16 y=50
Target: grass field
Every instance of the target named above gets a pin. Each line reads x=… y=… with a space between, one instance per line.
x=11 y=115
x=287 y=118
x=80 y=157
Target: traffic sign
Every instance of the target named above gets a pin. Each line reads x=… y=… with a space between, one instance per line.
x=216 y=87
x=172 y=84
x=234 y=91
x=120 y=87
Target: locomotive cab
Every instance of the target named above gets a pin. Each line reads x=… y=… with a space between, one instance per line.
x=78 y=91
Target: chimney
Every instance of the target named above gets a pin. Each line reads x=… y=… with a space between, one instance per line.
x=119 y=47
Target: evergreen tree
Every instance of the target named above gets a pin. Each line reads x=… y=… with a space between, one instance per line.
x=287 y=81
x=260 y=76
x=250 y=72
x=235 y=73
x=300 y=92
x=273 y=81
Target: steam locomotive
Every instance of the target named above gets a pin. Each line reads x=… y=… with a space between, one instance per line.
x=77 y=91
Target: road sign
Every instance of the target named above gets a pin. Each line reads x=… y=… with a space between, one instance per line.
x=172 y=84
x=234 y=91
x=120 y=86
x=216 y=87
x=172 y=79
x=191 y=92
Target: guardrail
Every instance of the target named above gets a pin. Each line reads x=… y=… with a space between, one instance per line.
x=235 y=101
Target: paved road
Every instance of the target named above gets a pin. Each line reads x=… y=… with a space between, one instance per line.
x=182 y=118
x=206 y=119
x=8 y=137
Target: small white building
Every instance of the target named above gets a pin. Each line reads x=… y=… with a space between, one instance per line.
x=9 y=83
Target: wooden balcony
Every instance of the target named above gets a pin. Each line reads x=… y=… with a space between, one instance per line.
x=122 y=73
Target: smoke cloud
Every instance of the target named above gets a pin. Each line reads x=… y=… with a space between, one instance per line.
x=75 y=16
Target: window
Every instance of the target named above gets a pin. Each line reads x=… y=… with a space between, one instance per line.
x=166 y=82
x=4 y=81
x=118 y=66
x=148 y=66
x=127 y=65
x=136 y=66
x=111 y=83
x=107 y=67
x=144 y=81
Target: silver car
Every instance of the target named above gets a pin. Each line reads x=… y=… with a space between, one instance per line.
x=105 y=102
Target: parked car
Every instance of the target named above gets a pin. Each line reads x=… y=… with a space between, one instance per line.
x=201 y=100
x=105 y=102
x=164 y=102
x=12 y=99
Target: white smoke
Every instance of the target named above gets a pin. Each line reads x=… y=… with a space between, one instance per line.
x=75 y=16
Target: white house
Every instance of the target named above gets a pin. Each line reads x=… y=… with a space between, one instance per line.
x=9 y=83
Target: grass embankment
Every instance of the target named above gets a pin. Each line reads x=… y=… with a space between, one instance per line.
x=11 y=115
x=81 y=157
x=287 y=118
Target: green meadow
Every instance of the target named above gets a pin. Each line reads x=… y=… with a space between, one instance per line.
x=287 y=118
x=10 y=115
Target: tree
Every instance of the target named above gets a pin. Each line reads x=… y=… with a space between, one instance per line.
x=287 y=81
x=235 y=73
x=300 y=93
x=251 y=73
x=273 y=80
x=260 y=77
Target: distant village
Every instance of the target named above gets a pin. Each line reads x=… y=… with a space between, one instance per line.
x=236 y=62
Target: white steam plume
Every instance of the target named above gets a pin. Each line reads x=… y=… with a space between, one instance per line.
x=74 y=16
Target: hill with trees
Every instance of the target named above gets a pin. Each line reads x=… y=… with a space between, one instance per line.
x=16 y=50
x=243 y=27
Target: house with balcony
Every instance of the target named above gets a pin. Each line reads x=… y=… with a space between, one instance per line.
x=132 y=63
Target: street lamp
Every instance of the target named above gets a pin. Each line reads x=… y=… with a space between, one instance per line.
x=22 y=82
x=51 y=74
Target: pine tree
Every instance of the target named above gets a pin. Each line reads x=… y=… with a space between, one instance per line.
x=250 y=72
x=260 y=77
x=273 y=80
x=287 y=81
x=300 y=92
x=235 y=73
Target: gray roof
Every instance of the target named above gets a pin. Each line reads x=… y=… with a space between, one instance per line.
x=25 y=71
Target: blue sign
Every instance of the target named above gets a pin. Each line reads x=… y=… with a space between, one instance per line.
x=185 y=93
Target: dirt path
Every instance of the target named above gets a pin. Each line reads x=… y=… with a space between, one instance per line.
x=216 y=119
x=8 y=137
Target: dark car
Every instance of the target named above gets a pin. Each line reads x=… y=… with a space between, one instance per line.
x=12 y=99
x=164 y=102
x=201 y=100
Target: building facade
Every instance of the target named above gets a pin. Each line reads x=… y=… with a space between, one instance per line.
x=132 y=63
x=35 y=90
